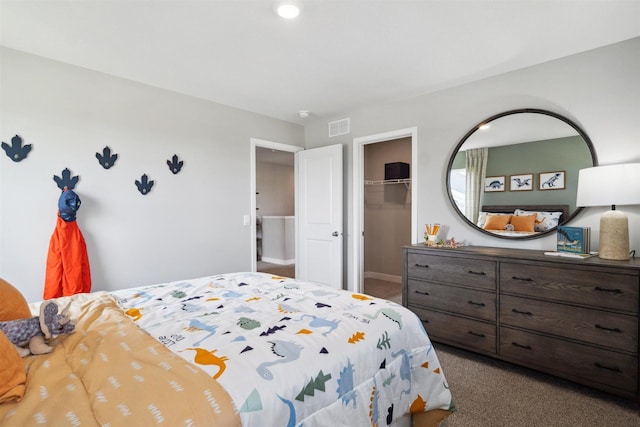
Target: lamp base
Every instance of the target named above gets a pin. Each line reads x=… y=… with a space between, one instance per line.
x=614 y=236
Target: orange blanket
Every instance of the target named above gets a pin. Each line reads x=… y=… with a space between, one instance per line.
x=68 y=270
x=109 y=372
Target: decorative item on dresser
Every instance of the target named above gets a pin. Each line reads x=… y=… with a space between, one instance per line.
x=573 y=318
x=610 y=186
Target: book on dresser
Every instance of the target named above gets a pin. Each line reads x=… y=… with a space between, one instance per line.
x=575 y=240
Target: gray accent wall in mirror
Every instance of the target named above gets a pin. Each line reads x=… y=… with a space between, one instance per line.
x=521 y=163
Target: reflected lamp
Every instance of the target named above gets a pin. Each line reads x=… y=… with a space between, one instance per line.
x=611 y=186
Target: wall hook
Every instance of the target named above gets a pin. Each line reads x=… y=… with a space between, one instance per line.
x=66 y=180
x=106 y=159
x=16 y=151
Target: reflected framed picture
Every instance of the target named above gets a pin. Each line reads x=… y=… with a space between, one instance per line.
x=493 y=184
x=522 y=182
x=551 y=180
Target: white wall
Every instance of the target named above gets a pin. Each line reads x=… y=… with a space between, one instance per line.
x=599 y=90
x=189 y=225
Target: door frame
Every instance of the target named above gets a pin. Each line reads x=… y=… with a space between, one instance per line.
x=357 y=219
x=254 y=143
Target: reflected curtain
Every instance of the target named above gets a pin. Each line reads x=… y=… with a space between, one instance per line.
x=476 y=169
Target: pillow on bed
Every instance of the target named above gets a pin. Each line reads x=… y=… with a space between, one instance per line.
x=482 y=217
x=13 y=305
x=523 y=223
x=544 y=221
x=13 y=374
x=496 y=222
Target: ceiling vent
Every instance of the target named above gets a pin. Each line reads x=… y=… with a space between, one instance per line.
x=339 y=127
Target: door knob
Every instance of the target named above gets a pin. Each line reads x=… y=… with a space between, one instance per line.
x=335 y=234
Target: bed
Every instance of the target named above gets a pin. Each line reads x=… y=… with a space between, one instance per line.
x=245 y=349
x=511 y=220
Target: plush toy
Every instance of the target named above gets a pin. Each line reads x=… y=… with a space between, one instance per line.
x=32 y=332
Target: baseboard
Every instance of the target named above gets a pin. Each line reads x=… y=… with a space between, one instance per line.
x=278 y=261
x=382 y=276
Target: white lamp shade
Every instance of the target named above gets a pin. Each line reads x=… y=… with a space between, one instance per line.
x=609 y=185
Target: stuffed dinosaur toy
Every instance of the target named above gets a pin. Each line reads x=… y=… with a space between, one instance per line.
x=29 y=335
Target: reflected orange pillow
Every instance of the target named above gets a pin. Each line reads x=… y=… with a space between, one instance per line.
x=497 y=222
x=524 y=223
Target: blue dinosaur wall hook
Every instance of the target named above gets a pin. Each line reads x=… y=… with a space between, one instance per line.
x=66 y=180
x=144 y=185
x=106 y=159
x=174 y=165
x=16 y=151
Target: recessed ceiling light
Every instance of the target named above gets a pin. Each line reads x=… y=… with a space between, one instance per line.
x=288 y=9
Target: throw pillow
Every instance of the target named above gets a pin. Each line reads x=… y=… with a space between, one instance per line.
x=497 y=222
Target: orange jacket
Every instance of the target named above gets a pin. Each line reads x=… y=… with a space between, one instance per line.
x=68 y=270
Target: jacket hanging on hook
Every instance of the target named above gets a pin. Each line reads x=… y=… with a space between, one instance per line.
x=68 y=270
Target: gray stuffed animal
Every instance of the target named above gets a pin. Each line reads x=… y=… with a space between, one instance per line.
x=28 y=335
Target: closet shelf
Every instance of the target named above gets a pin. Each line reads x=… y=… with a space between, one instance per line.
x=388 y=181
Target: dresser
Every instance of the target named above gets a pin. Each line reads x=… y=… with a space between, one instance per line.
x=573 y=318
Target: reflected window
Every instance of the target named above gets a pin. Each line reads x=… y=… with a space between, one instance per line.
x=458 y=187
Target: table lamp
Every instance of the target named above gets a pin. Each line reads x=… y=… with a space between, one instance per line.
x=611 y=185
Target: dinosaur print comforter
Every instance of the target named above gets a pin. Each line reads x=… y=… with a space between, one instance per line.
x=292 y=353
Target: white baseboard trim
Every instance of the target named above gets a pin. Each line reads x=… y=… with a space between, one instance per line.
x=382 y=276
x=279 y=261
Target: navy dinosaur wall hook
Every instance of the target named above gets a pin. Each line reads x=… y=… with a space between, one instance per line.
x=66 y=180
x=174 y=165
x=16 y=151
x=106 y=159
x=144 y=185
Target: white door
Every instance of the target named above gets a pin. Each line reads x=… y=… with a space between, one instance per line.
x=319 y=215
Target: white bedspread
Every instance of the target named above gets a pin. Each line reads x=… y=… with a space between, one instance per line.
x=295 y=353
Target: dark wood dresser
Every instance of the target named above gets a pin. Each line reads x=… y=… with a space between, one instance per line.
x=573 y=318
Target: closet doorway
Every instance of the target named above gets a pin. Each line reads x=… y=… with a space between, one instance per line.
x=386 y=210
x=274 y=243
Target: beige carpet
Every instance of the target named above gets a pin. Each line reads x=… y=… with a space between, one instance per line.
x=288 y=270
x=383 y=289
x=492 y=393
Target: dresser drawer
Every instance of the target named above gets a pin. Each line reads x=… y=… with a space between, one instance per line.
x=468 y=302
x=585 y=287
x=460 y=271
x=581 y=363
x=606 y=329
x=460 y=331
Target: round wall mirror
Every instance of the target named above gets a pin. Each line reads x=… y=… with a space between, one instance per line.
x=515 y=174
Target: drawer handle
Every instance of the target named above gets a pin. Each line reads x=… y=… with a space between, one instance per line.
x=476 y=334
x=526 y=347
x=527 y=313
x=613 y=291
x=608 y=368
x=480 y=304
x=421 y=292
x=609 y=329
x=479 y=273
x=524 y=279
x=422 y=265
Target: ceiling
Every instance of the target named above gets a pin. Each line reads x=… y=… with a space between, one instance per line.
x=337 y=56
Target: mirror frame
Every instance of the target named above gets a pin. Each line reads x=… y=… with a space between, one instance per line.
x=577 y=128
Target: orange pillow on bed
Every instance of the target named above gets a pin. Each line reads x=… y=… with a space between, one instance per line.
x=13 y=374
x=524 y=222
x=13 y=305
x=497 y=222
